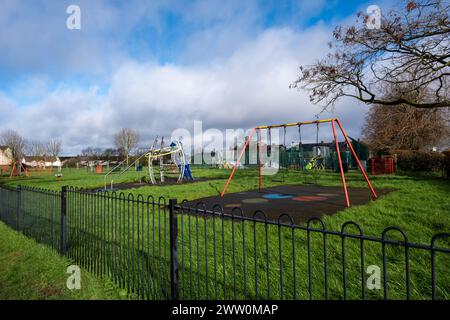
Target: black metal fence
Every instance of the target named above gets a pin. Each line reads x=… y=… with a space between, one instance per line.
x=35 y=212
x=159 y=249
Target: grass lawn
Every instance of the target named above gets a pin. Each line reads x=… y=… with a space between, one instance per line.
x=33 y=271
x=420 y=206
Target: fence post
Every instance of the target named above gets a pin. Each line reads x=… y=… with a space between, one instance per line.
x=63 y=229
x=174 y=286
x=19 y=205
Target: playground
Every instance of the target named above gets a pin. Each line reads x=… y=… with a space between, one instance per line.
x=344 y=192
x=225 y=151
x=313 y=178
x=423 y=199
x=417 y=205
x=165 y=165
x=301 y=202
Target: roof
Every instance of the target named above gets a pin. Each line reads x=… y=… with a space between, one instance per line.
x=35 y=158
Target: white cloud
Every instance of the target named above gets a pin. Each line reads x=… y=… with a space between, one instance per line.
x=34 y=36
x=247 y=88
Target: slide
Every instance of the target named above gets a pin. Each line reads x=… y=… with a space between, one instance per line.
x=187 y=172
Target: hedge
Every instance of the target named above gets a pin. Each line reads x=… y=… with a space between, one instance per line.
x=447 y=164
x=419 y=161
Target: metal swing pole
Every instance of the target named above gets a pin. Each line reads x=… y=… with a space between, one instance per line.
x=347 y=200
x=374 y=194
x=237 y=162
x=300 y=146
x=317 y=133
x=283 y=158
x=260 y=160
x=270 y=147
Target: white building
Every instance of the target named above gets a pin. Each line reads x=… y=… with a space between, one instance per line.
x=42 y=162
x=5 y=156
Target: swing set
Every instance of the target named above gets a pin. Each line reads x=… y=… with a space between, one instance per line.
x=17 y=168
x=334 y=122
x=314 y=163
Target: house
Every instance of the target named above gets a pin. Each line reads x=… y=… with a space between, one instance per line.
x=6 y=158
x=41 y=162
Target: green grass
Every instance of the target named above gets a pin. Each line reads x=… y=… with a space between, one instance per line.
x=33 y=271
x=420 y=206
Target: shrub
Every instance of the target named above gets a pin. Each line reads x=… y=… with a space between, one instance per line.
x=447 y=164
x=71 y=163
x=419 y=161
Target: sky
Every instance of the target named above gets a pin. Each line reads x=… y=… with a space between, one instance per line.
x=156 y=66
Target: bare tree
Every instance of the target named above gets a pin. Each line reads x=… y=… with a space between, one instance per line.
x=53 y=148
x=91 y=153
x=87 y=152
x=126 y=140
x=15 y=142
x=36 y=148
x=405 y=127
x=412 y=43
x=110 y=153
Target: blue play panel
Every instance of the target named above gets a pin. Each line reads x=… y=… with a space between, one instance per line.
x=277 y=196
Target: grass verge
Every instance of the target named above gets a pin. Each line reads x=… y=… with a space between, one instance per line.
x=31 y=271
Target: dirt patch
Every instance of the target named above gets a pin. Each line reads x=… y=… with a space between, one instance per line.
x=135 y=185
x=48 y=292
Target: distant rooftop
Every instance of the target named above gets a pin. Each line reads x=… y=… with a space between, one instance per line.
x=35 y=158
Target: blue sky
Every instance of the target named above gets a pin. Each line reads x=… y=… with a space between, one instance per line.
x=159 y=65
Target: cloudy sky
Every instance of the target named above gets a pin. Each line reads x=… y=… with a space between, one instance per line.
x=156 y=66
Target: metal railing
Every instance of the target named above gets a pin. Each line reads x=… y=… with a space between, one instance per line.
x=159 y=249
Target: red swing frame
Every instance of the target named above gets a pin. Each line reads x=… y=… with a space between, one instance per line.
x=333 y=122
x=15 y=171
